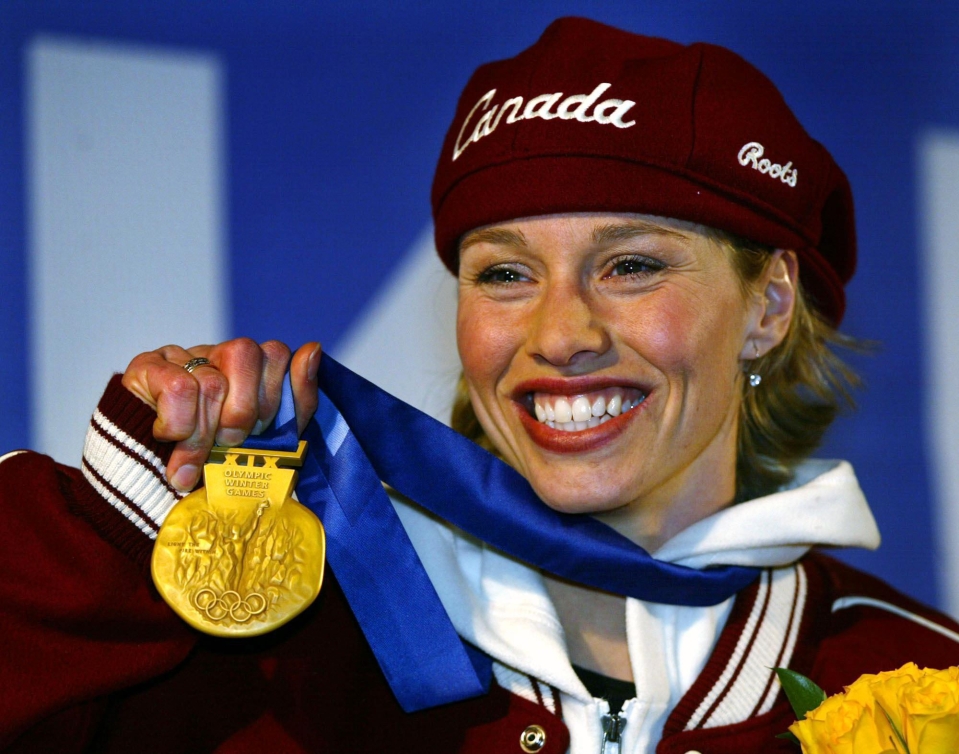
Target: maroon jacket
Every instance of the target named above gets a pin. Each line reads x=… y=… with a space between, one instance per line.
x=91 y=659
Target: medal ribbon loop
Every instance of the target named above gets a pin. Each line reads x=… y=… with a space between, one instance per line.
x=362 y=435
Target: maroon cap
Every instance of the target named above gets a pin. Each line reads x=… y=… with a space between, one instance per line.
x=595 y=119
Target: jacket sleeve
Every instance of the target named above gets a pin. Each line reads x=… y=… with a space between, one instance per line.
x=79 y=616
x=862 y=625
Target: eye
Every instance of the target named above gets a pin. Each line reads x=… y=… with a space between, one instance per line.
x=500 y=275
x=633 y=266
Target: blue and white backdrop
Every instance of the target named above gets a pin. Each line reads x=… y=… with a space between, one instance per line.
x=185 y=172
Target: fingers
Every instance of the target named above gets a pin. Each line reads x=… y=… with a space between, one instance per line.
x=240 y=361
x=220 y=403
x=303 y=376
x=188 y=405
x=276 y=358
x=159 y=380
x=190 y=453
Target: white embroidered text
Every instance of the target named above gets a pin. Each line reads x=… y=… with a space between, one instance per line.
x=752 y=154
x=574 y=107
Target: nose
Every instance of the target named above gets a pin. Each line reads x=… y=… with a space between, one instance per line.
x=566 y=329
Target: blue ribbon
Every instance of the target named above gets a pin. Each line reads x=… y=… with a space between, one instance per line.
x=362 y=435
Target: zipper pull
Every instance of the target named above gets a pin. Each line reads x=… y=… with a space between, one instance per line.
x=613 y=726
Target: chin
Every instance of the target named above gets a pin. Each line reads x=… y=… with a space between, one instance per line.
x=580 y=495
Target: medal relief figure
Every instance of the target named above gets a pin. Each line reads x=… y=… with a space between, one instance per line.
x=226 y=560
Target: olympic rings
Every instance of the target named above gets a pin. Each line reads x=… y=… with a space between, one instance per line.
x=239 y=609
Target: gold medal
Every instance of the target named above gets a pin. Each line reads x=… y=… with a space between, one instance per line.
x=239 y=556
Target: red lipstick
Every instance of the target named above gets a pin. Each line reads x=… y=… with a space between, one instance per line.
x=581 y=441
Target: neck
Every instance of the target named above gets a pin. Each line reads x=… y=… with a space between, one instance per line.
x=594 y=624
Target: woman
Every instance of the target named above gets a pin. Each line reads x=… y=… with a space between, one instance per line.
x=624 y=348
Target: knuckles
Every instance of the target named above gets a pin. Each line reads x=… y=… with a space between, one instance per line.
x=182 y=386
x=275 y=350
x=213 y=384
x=141 y=364
x=242 y=350
x=241 y=369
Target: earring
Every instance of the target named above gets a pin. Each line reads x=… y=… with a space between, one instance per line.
x=755 y=378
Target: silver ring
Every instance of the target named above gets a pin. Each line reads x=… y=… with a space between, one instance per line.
x=192 y=364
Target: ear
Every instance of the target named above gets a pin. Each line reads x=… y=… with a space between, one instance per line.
x=772 y=305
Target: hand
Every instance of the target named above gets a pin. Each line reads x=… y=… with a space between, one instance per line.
x=221 y=403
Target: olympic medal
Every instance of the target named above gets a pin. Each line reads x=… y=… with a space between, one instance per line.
x=240 y=557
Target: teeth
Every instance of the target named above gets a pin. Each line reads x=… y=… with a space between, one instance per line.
x=576 y=413
x=599 y=407
x=615 y=405
x=578 y=426
x=581 y=409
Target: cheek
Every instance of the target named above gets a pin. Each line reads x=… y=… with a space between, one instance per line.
x=486 y=343
x=686 y=336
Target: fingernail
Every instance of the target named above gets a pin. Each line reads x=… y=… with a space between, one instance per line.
x=313 y=364
x=186 y=477
x=230 y=437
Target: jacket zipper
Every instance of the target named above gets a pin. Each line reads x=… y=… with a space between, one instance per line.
x=613 y=726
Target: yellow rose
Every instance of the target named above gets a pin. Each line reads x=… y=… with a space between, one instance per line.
x=841 y=725
x=885 y=690
x=930 y=710
x=923 y=705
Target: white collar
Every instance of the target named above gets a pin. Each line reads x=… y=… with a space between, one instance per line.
x=823 y=505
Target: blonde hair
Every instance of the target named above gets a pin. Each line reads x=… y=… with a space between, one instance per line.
x=804 y=387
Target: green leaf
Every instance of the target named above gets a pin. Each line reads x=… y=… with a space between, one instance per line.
x=802 y=693
x=788 y=736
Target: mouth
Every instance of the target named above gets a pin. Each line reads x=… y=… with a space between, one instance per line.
x=578 y=412
x=578 y=415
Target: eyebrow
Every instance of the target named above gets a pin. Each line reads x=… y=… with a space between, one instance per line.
x=500 y=236
x=607 y=234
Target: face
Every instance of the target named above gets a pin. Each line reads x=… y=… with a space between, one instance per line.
x=603 y=355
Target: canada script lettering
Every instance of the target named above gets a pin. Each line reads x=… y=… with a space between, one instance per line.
x=581 y=107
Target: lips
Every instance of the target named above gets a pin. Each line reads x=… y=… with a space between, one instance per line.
x=577 y=415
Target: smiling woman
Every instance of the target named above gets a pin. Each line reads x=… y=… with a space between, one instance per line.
x=652 y=256
x=567 y=310
x=805 y=382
